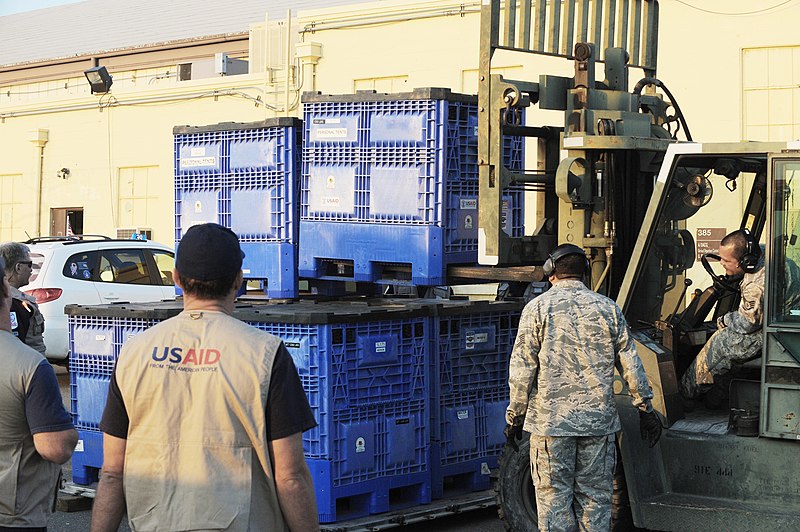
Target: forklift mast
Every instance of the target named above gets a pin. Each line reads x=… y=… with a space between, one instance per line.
x=614 y=138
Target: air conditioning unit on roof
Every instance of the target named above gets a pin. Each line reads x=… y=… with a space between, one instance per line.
x=134 y=233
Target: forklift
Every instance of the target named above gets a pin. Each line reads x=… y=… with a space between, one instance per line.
x=645 y=203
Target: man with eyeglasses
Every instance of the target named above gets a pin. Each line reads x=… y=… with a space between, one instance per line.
x=24 y=310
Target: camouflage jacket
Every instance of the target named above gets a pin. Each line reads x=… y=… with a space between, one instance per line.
x=561 y=372
x=748 y=317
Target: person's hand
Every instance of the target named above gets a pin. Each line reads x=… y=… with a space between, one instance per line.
x=512 y=434
x=649 y=427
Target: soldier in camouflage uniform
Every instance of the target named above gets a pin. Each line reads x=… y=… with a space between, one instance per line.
x=561 y=376
x=738 y=337
x=19 y=268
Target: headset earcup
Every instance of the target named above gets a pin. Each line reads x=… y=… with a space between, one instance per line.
x=548 y=267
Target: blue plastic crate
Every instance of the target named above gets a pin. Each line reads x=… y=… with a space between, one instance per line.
x=380 y=462
x=354 y=365
x=371 y=249
x=473 y=350
x=87 y=458
x=202 y=153
x=255 y=194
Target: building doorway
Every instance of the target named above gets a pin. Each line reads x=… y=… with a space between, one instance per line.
x=66 y=222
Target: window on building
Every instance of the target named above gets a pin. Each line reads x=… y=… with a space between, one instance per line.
x=771 y=93
x=382 y=84
x=14 y=217
x=138 y=192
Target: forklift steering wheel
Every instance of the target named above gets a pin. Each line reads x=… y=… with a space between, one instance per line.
x=723 y=281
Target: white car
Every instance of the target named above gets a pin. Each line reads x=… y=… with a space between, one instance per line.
x=93 y=270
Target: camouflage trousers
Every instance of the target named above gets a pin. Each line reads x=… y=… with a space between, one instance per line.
x=573 y=477
x=723 y=349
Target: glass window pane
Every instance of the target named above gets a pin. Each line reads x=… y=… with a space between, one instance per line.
x=128 y=266
x=785 y=255
x=165 y=262
x=81 y=266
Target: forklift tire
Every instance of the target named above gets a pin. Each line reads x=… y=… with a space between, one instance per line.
x=516 y=500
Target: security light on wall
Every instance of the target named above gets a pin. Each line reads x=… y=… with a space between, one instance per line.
x=99 y=79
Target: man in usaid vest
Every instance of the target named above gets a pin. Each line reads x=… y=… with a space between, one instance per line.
x=205 y=414
x=36 y=433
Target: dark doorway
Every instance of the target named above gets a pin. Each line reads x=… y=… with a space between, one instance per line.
x=65 y=222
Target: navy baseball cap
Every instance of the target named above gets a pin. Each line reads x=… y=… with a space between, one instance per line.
x=209 y=252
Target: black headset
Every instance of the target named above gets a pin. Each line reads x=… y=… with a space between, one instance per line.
x=559 y=253
x=749 y=261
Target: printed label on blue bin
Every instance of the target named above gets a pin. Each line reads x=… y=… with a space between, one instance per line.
x=361 y=445
x=462 y=414
x=79 y=446
x=471 y=204
x=474 y=338
x=195 y=162
x=380 y=347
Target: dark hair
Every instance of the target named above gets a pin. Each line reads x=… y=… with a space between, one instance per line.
x=738 y=241
x=208 y=290
x=572 y=265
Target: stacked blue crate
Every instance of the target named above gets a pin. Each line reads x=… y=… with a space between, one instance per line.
x=95 y=341
x=364 y=370
x=469 y=391
x=245 y=177
x=392 y=179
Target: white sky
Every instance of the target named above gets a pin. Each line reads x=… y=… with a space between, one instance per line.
x=8 y=7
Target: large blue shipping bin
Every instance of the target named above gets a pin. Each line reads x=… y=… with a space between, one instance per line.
x=392 y=179
x=245 y=176
x=363 y=367
x=469 y=391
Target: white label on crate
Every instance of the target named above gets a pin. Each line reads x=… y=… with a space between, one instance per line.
x=485 y=469
x=471 y=204
x=462 y=414
x=573 y=142
x=100 y=337
x=361 y=445
x=198 y=206
x=380 y=347
x=331 y=121
x=198 y=152
x=468 y=223
x=330 y=182
x=331 y=201
x=332 y=133
x=475 y=338
x=194 y=162
x=79 y=446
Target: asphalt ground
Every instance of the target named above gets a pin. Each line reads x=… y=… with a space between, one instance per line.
x=484 y=520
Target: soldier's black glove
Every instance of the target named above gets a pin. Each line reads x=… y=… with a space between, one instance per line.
x=649 y=427
x=512 y=434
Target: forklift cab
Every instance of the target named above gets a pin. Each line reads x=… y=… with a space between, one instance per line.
x=729 y=463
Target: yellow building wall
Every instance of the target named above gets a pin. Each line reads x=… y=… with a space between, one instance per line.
x=128 y=134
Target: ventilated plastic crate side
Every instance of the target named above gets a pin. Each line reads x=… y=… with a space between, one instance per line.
x=473 y=350
x=379 y=462
x=331 y=124
x=204 y=153
x=88 y=457
x=309 y=356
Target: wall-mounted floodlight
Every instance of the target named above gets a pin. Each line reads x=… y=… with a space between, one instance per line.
x=99 y=79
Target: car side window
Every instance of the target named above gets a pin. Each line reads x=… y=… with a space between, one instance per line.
x=126 y=266
x=81 y=266
x=165 y=262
